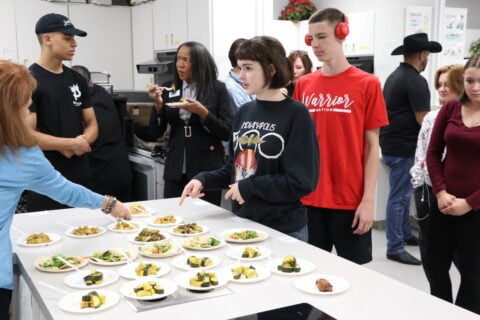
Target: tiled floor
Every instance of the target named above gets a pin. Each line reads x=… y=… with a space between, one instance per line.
x=411 y=275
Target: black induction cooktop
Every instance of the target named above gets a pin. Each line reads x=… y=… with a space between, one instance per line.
x=301 y=311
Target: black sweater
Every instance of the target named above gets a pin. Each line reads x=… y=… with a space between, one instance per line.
x=275 y=161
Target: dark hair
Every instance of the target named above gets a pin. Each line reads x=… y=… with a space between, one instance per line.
x=332 y=15
x=303 y=55
x=233 y=49
x=269 y=52
x=204 y=69
x=473 y=62
x=83 y=71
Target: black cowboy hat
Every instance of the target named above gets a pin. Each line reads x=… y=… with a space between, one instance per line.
x=415 y=43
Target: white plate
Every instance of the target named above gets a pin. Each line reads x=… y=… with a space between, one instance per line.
x=148 y=211
x=201 y=243
x=101 y=229
x=204 y=230
x=307 y=284
x=53 y=237
x=176 y=104
x=306 y=266
x=75 y=280
x=181 y=262
x=132 y=237
x=71 y=302
x=151 y=222
x=263 y=273
x=131 y=253
x=146 y=250
x=169 y=286
x=236 y=253
x=226 y=235
x=39 y=262
x=183 y=280
x=128 y=271
x=112 y=225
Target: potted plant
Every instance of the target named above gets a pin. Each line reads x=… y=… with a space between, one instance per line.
x=297 y=10
x=474 y=47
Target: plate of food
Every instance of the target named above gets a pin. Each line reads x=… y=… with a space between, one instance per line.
x=188 y=230
x=60 y=263
x=93 y=278
x=138 y=210
x=165 y=221
x=203 y=243
x=148 y=289
x=244 y=235
x=249 y=253
x=196 y=262
x=143 y=269
x=113 y=257
x=322 y=284
x=202 y=280
x=88 y=301
x=41 y=239
x=148 y=235
x=291 y=266
x=83 y=232
x=162 y=249
x=248 y=274
x=124 y=226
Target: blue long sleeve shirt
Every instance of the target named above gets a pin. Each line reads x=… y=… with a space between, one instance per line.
x=28 y=169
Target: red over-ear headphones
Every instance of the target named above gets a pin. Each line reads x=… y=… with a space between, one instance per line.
x=341 y=31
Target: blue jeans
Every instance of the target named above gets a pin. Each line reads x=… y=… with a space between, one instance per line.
x=301 y=234
x=398 y=204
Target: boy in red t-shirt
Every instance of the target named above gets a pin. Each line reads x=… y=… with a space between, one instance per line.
x=348 y=108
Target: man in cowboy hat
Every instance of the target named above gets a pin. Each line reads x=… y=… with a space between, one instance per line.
x=407 y=97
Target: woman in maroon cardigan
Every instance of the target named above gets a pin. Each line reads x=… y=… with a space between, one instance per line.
x=454 y=227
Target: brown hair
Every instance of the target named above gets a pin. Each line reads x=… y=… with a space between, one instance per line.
x=303 y=55
x=332 y=15
x=454 y=77
x=16 y=87
x=269 y=52
x=473 y=62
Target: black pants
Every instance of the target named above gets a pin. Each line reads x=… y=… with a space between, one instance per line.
x=330 y=227
x=174 y=188
x=39 y=202
x=5 y=300
x=450 y=236
x=424 y=198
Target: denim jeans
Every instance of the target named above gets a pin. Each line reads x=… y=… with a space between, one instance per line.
x=301 y=234
x=398 y=204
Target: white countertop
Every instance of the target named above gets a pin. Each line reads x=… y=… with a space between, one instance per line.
x=371 y=295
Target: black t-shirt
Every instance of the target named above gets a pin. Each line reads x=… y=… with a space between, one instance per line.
x=405 y=92
x=58 y=102
x=109 y=157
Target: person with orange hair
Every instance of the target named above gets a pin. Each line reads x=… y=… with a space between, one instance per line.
x=23 y=166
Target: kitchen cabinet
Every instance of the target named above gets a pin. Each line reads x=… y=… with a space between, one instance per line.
x=169 y=23
x=8 y=41
x=27 y=13
x=142 y=41
x=108 y=46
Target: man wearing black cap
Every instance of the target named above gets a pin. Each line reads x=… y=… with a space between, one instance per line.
x=61 y=112
x=407 y=97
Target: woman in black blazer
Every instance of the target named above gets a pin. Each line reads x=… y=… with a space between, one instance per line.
x=197 y=107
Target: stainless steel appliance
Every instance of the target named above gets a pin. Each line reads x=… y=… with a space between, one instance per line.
x=147 y=168
x=162 y=65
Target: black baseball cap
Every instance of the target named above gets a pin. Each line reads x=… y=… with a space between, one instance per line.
x=54 y=22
